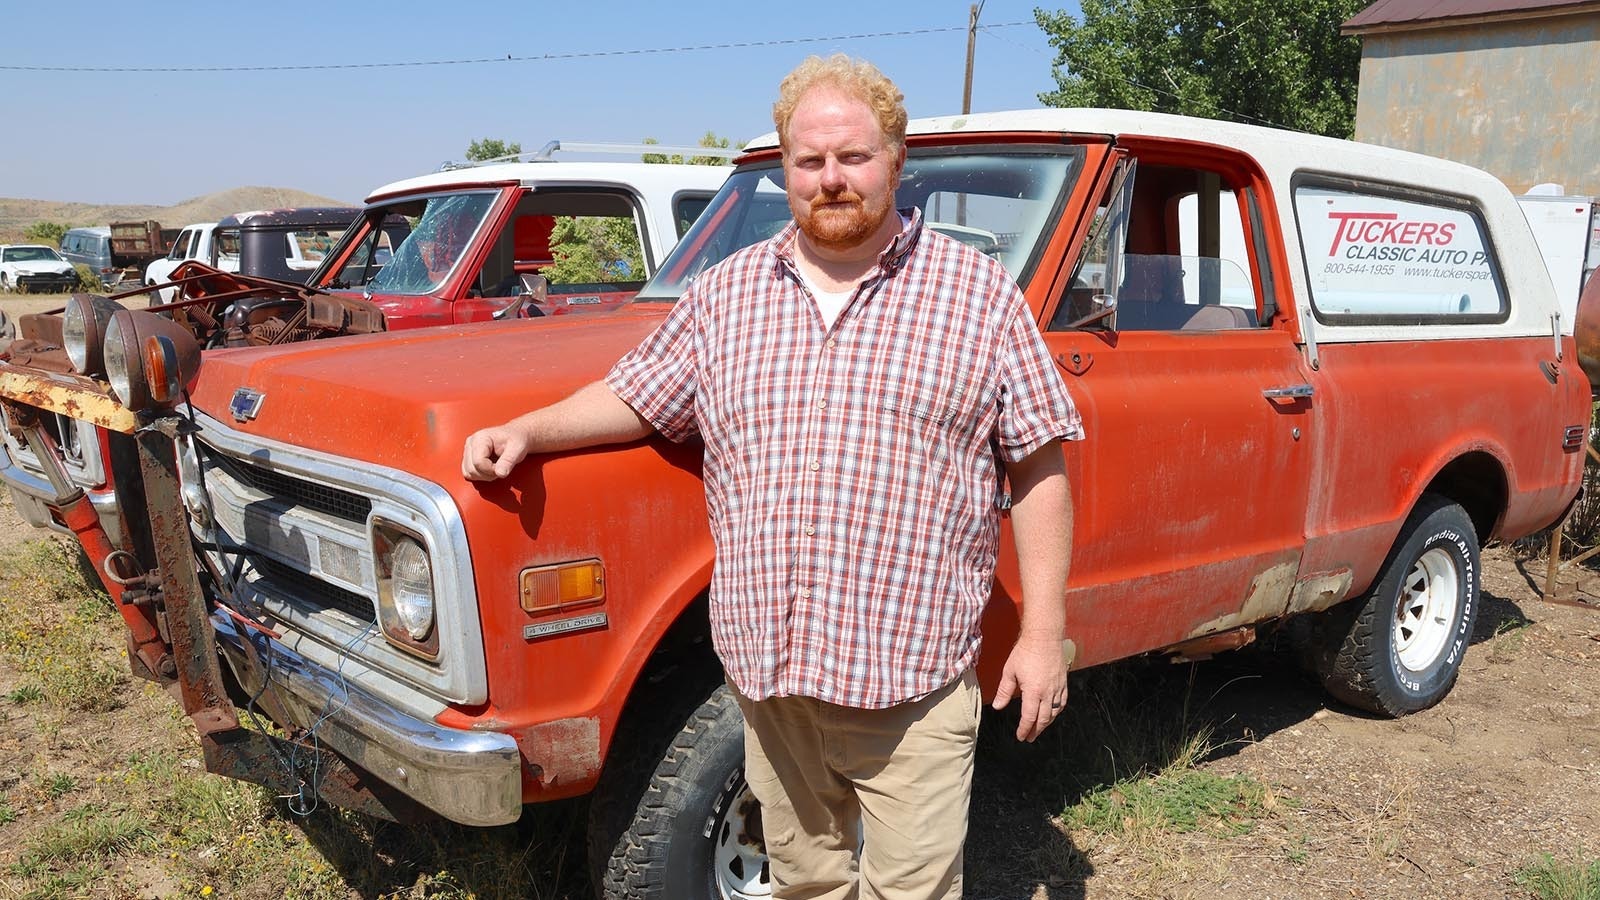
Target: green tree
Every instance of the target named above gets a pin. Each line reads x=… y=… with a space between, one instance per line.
x=45 y=233
x=588 y=249
x=708 y=140
x=491 y=148
x=1281 y=63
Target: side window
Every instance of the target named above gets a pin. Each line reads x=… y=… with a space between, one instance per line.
x=180 y=247
x=1167 y=252
x=686 y=208
x=580 y=241
x=1380 y=258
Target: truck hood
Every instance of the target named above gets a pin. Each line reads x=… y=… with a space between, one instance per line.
x=408 y=399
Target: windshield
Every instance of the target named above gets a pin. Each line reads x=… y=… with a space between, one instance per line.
x=441 y=230
x=999 y=201
x=31 y=254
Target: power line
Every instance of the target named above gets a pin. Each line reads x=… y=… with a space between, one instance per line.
x=508 y=58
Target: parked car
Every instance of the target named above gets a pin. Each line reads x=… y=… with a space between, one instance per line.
x=1316 y=376
x=35 y=267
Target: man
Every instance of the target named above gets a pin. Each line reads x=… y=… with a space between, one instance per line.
x=857 y=380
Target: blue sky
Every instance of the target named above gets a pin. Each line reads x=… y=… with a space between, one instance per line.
x=163 y=137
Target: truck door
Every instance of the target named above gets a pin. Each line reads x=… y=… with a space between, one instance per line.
x=1190 y=489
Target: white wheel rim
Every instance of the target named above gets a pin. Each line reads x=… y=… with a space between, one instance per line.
x=740 y=863
x=1426 y=612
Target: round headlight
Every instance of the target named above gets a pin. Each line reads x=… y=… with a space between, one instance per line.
x=134 y=336
x=83 y=328
x=412 y=586
x=122 y=360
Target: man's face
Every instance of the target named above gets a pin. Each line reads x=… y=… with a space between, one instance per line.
x=840 y=169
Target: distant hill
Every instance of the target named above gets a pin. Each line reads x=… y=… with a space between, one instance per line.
x=17 y=215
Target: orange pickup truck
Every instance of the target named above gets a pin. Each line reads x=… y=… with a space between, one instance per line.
x=1316 y=376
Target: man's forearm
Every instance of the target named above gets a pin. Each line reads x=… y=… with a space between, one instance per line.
x=1041 y=522
x=590 y=416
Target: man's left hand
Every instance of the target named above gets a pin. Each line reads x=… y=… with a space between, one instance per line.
x=1037 y=670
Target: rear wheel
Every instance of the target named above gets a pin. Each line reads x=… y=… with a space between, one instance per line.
x=679 y=823
x=1399 y=649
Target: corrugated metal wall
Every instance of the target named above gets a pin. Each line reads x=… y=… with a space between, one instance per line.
x=1521 y=100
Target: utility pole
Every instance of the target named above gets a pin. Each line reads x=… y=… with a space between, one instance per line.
x=972 y=46
x=966 y=93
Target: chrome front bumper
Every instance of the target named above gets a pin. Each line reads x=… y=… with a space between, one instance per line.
x=471 y=777
x=33 y=496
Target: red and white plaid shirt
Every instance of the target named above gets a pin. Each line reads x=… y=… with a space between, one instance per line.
x=851 y=473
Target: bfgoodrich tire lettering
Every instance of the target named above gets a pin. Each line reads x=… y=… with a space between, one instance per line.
x=677 y=822
x=1399 y=649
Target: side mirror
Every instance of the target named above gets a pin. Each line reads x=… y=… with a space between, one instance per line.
x=535 y=288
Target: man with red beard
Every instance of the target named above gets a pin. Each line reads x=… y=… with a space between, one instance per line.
x=861 y=384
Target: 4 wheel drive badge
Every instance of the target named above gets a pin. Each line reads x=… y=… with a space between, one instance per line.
x=246 y=404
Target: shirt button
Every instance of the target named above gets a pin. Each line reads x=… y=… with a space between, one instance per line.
x=815 y=465
x=805 y=592
x=830 y=343
x=810 y=530
x=822 y=404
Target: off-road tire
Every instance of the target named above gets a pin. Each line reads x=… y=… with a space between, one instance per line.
x=662 y=806
x=1367 y=649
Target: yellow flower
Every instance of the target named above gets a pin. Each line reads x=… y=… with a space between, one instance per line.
x=205 y=891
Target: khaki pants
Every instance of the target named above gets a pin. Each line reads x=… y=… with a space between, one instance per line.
x=902 y=774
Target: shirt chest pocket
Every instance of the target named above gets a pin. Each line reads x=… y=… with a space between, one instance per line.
x=930 y=401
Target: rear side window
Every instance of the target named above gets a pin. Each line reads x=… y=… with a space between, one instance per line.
x=1382 y=258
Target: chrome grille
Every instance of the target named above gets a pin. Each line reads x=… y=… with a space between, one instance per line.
x=311 y=592
x=294 y=491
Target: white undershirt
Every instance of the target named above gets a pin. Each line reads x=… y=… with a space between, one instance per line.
x=829 y=303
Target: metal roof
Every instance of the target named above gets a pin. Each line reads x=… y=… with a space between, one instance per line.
x=1386 y=15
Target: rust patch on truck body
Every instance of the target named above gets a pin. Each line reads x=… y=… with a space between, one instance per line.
x=1268 y=597
x=1315 y=593
x=70 y=395
x=561 y=752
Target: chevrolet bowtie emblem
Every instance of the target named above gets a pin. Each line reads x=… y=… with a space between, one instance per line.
x=246 y=404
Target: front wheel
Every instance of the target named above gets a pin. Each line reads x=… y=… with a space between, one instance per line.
x=678 y=822
x=1399 y=649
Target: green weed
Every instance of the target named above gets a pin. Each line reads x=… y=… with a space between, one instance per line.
x=57 y=631
x=26 y=693
x=8 y=813
x=59 y=785
x=1550 y=879
x=1175 y=800
x=99 y=833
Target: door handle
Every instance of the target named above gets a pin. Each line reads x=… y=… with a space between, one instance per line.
x=1292 y=392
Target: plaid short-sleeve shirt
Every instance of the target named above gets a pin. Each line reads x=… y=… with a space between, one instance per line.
x=851 y=473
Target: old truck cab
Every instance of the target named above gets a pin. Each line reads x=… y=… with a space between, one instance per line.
x=481 y=234
x=1315 y=376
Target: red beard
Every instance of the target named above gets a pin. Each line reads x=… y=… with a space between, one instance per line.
x=840 y=221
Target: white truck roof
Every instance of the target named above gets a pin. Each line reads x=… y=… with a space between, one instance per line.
x=645 y=177
x=1284 y=155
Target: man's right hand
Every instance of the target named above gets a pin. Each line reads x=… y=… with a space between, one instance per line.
x=493 y=452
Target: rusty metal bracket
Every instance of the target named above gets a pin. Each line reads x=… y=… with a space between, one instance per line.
x=1555 y=565
x=200 y=684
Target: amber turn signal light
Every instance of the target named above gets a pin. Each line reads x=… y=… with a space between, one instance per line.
x=563 y=586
